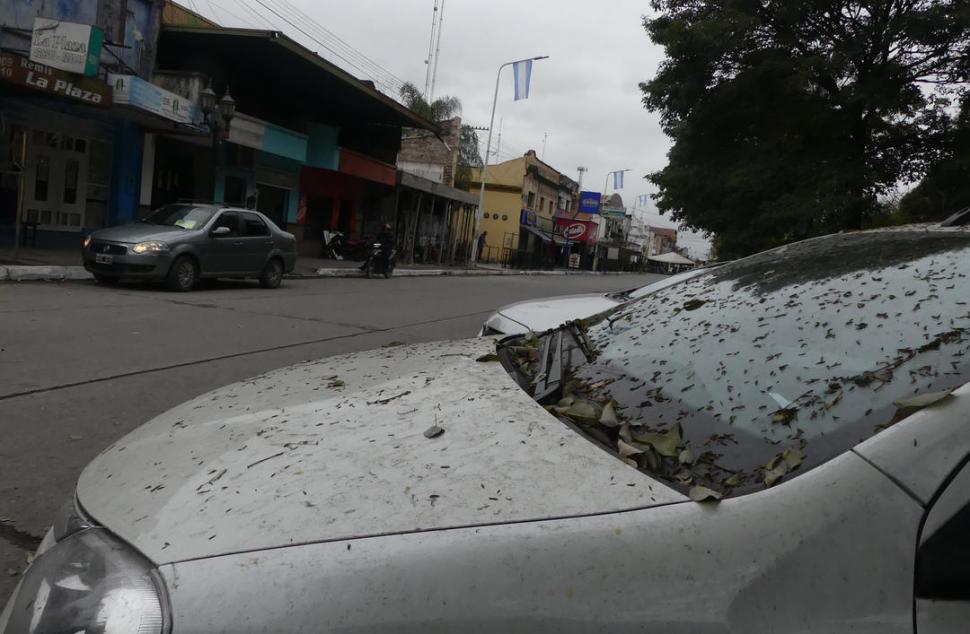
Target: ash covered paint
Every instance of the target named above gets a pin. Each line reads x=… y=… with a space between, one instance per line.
x=765 y=367
x=336 y=449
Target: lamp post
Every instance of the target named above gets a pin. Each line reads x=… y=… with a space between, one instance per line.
x=488 y=147
x=219 y=119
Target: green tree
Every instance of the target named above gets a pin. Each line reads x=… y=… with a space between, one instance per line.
x=946 y=186
x=791 y=117
x=441 y=109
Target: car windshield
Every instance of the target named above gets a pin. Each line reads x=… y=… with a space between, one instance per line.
x=184 y=216
x=757 y=371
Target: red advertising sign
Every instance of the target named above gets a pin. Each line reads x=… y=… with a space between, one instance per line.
x=577 y=230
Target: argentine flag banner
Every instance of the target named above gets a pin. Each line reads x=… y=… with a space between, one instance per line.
x=618 y=180
x=522 y=72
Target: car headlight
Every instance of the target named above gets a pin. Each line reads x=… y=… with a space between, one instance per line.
x=88 y=582
x=152 y=246
x=87 y=241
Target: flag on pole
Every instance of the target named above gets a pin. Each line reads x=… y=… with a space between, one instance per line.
x=522 y=72
x=618 y=179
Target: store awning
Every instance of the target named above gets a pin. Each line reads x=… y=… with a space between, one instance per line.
x=670 y=258
x=421 y=184
x=546 y=237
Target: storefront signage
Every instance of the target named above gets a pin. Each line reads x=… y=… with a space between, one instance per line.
x=576 y=230
x=134 y=91
x=68 y=46
x=527 y=218
x=613 y=212
x=589 y=202
x=23 y=72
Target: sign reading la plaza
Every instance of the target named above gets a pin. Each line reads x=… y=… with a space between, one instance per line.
x=20 y=70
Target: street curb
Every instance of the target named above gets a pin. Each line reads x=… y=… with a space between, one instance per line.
x=28 y=273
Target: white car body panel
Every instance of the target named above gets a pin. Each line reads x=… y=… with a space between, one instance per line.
x=284 y=459
x=830 y=551
x=544 y=314
x=926 y=447
x=540 y=315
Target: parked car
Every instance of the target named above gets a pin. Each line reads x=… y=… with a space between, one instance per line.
x=183 y=243
x=539 y=315
x=780 y=444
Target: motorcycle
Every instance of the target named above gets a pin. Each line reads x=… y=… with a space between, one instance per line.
x=379 y=263
x=333 y=245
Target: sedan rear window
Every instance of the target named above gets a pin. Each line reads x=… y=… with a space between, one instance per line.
x=759 y=370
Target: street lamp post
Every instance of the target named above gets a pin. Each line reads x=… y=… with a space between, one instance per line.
x=488 y=147
x=219 y=119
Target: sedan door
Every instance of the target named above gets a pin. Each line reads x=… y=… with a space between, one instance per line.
x=220 y=250
x=257 y=242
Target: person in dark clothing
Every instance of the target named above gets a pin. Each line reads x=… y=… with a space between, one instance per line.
x=386 y=240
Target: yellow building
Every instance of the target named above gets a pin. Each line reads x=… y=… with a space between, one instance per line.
x=522 y=197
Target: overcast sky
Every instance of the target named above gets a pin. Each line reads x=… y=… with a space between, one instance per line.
x=585 y=96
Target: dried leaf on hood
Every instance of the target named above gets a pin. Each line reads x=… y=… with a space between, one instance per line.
x=433 y=432
x=336 y=383
x=486 y=358
x=784 y=416
x=608 y=416
x=694 y=304
x=700 y=493
x=735 y=479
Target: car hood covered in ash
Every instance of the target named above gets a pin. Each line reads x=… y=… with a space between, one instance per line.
x=394 y=440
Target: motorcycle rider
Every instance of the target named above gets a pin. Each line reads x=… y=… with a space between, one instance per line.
x=386 y=240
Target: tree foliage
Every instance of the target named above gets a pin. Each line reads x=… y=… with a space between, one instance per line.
x=946 y=186
x=441 y=109
x=790 y=118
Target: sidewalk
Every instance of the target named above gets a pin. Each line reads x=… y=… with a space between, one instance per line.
x=59 y=265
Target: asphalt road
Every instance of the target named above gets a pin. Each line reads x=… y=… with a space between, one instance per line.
x=82 y=364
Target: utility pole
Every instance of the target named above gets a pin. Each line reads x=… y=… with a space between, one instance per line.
x=582 y=170
x=427 y=61
x=545 y=137
x=437 y=51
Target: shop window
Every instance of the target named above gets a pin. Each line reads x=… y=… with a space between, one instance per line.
x=70 y=181
x=531 y=200
x=42 y=176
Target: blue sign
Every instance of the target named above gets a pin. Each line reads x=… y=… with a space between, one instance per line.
x=589 y=202
x=527 y=218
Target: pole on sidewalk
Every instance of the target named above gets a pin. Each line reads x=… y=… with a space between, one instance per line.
x=488 y=148
x=21 y=187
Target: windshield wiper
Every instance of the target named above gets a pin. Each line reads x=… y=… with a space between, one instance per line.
x=548 y=377
x=579 y=334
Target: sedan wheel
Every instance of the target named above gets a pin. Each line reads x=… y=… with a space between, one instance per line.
x=183 y=275
x=272 y=274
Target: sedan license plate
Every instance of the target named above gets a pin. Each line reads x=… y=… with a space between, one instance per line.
x=101 y=258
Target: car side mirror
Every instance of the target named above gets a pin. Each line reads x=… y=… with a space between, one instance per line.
x=221 y=231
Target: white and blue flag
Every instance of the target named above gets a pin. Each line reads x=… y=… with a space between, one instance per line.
x=522 y=72
x=618 y=179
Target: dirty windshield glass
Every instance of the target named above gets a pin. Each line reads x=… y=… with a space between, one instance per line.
x=184 y=216
x=754 y=372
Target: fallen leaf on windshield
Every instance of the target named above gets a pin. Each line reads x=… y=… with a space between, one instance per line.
x=76 y=436
x=700 y=493
x=626 y=450
x=584 y=412
x=923 y=400
x=792 y=458
x=694 y=304
x=433 y=432
x=608 y=416
x=336 y=383
x=667 y=444
x=485 y=358
x=784 y=416
x=686 y=456
x=735 y=480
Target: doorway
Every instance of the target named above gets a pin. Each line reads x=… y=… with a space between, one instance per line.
x=272 y=201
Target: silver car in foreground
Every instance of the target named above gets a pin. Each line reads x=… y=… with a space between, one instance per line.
x=780 y=444
x=183 y=243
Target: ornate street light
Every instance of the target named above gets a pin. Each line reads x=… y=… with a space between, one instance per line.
x=219 y=119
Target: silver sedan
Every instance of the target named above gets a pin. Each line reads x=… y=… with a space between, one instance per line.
x=780 y=444
x=183 y=243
